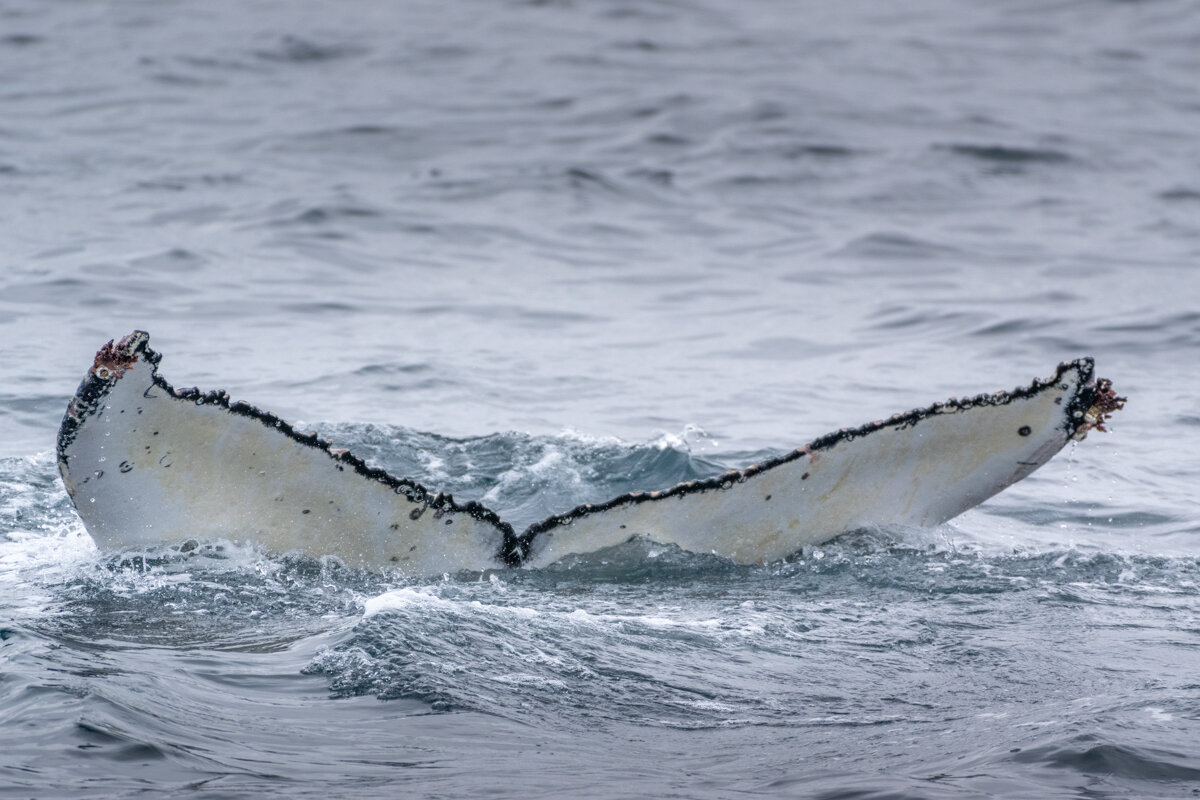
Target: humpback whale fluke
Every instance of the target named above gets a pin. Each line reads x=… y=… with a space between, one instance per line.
x=147 y=464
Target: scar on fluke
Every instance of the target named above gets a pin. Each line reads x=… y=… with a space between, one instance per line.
x=230 y=457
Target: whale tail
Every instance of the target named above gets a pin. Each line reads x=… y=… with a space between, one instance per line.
x=147 y=464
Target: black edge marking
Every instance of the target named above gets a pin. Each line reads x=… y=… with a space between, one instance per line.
x=515 y=548
x=88 y=398
x=92 y=390
x=1081 y=400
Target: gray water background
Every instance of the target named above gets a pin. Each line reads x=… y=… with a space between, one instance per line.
x=542 y=253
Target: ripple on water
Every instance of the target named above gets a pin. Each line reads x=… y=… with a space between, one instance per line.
x=622 y=216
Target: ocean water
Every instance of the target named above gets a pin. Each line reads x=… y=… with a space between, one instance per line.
x=542 y=253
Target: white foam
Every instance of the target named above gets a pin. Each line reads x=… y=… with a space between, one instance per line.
x=408 y=597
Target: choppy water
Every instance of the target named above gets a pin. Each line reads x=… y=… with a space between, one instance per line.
x=542 y=253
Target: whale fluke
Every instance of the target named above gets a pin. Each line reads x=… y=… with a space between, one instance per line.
x=147 y=465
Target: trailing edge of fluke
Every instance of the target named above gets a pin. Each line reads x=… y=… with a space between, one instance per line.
x=148 y=465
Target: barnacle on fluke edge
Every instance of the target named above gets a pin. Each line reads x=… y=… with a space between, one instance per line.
x=1103 y=404
x=147 y=465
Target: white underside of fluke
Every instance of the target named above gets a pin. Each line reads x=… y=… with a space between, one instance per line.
x=150 y=468
x=918 y=474
x=147 y=465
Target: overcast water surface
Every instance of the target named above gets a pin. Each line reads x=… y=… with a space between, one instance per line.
x=542 y=253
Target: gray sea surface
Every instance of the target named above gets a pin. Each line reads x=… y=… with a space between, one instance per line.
x=542 y=253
